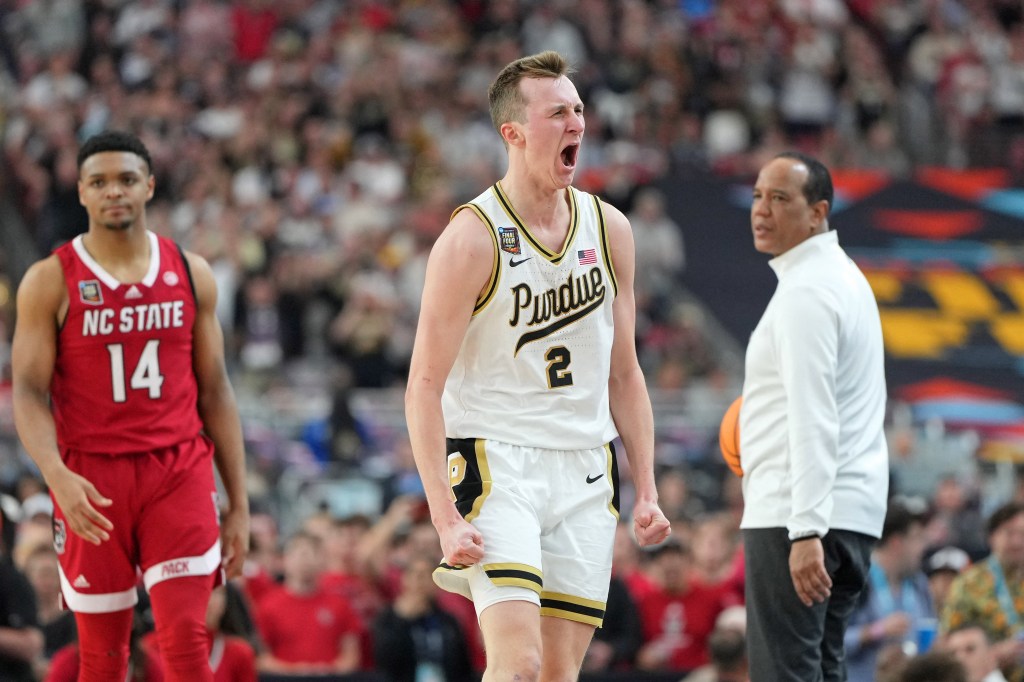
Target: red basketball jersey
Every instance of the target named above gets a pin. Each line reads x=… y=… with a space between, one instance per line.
x=123 y=380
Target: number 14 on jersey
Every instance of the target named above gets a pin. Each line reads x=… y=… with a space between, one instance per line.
x=145 y=377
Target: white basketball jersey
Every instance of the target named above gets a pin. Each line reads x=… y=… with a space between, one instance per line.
x=533 y=367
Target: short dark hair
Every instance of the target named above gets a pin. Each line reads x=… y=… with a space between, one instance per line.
x=970 y=625
x=934 y=666
x=1003 y=515
x=727 y=648
x=114 y=141
x=818 y=186
x=899 y=518
x=302 y=536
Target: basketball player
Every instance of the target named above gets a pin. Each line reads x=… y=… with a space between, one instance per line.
x=525 y=360
x=122 y=399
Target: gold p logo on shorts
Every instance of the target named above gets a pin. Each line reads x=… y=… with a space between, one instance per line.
x=456 y=469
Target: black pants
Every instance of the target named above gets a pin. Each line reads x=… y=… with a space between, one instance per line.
x=787 y=641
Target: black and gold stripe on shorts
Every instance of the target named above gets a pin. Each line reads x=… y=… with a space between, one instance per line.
x=569 y=607
x=612 y=469
x=474 y=482
x=515 y=575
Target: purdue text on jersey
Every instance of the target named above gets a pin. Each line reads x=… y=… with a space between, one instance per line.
x=569 y=302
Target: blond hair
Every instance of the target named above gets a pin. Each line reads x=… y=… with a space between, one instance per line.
x=504 y=96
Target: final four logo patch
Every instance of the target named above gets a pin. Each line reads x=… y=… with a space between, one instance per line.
x=509 y=238
x=90 y=292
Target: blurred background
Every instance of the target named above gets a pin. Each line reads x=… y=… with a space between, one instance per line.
x=312 y=150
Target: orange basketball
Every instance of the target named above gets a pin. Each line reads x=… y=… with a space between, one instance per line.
x=729 y=437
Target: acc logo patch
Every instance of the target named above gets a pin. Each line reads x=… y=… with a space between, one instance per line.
x=90 y=292
x=509 y=238
x=170 y=278
x=60 y=536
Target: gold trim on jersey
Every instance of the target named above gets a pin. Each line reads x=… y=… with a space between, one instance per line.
x=573 y=608
x=574 y=223
x=515 y=575
x=606 y=246
x=492 y=284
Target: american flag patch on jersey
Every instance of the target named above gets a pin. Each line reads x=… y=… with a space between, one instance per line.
x=587 y=256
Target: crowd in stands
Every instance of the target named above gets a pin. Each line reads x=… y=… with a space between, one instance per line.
x=311 y=150
x=341 y=595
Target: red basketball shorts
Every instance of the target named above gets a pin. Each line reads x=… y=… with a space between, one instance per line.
x=165 y=520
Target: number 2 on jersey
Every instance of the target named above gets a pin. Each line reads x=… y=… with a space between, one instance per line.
x=146 y=375
x=558 y=359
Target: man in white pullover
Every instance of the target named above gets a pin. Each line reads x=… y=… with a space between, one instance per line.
x=813 y=452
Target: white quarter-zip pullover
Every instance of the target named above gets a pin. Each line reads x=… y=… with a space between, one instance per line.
x=812 y=444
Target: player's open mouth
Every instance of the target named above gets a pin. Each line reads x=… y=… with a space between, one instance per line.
x=569 y=155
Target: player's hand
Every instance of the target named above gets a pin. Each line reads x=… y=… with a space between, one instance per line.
x=807 y=568
x=77 y=498
x=462 y=543
x=234 y=541
x=649 y=525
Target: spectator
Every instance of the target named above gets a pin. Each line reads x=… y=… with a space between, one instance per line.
x=229 y=625
x=414 y=639
x=896 y=602
x=262 y=568
x=934 y=666
x=629 y=563
x=258 y=323
x=956 y=519
x=991 y=592
x=727 y=647
x=35 y=528
x=679 y=615
x=347 y=576
x=57 y=86
x=306 y=630
x=21 y=641
x=971 y=646
x=403 y=479
x=676 y=497
x=616 y=642
x=660 y=257
x=58 y=625
x=717 y=554
x=942 y=566
x=890 y=662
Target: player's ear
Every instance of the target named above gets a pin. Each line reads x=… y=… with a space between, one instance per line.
x=512 y=133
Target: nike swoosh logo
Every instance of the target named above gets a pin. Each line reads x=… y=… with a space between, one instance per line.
x=591 y=479
x=512 y=262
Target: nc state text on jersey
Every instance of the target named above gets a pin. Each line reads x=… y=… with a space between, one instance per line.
x=139 y=318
